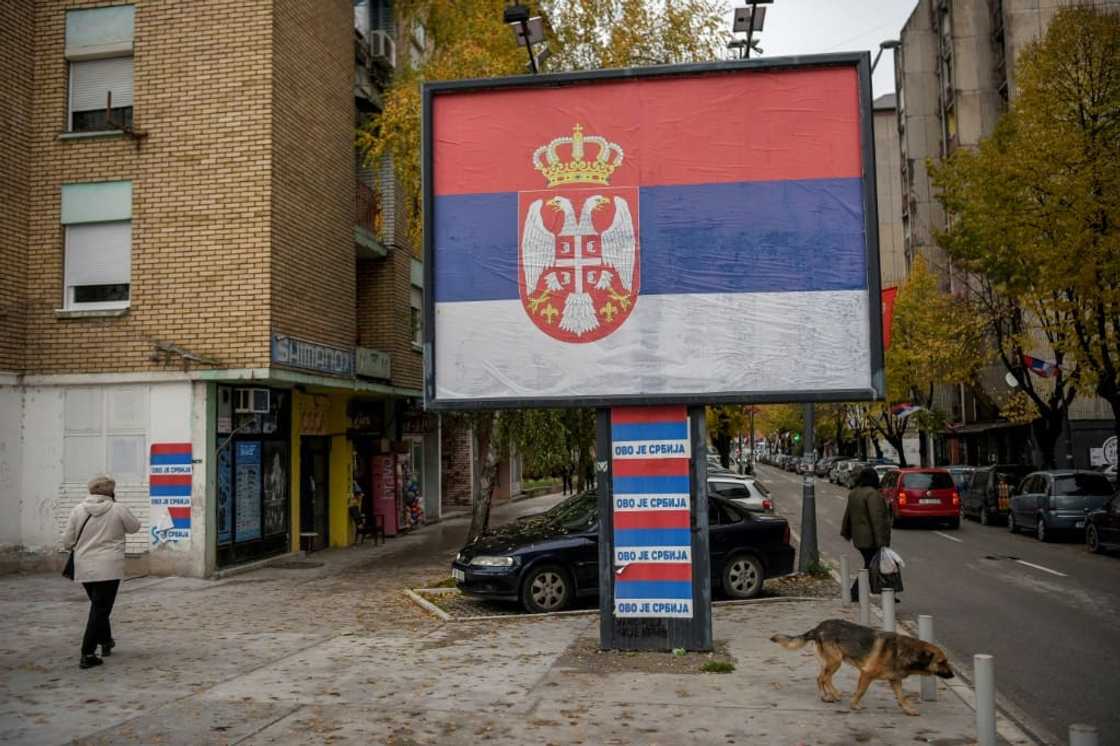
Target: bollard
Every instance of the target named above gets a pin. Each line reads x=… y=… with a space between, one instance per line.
x=925 y=632
x=1082 y=735
x=865 y=598
x=984 y=672
x=845 y=582
x=888 y=610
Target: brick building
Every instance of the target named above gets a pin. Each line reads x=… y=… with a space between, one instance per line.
x=200 y=293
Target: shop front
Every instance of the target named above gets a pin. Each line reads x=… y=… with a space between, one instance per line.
x=253 y=465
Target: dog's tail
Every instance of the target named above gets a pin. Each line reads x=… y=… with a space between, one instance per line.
x=797 y=642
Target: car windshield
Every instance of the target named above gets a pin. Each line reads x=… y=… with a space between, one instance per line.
x=573 y=508
x=1082 y=485
x=928 y=480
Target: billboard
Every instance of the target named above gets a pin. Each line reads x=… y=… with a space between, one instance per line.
x=687 y=234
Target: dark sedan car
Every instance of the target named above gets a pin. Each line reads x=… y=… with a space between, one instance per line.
x=548 y=560
x=1102 y=526
x=1053 y=501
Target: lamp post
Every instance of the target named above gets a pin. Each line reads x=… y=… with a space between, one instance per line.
x=891 y=44
x=528 y=30
x=748 y=19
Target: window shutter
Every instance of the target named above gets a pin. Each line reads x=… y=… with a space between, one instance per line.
x=92 y=80
x=98 y=254
x=99 y=32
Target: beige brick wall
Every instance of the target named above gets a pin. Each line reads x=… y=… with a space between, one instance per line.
x=17 y=32
x=201 y=189
x=313 y=277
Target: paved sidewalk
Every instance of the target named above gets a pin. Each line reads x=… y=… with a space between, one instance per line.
x=336 y=654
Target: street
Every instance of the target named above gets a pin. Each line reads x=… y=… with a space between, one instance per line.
x=1048 y=613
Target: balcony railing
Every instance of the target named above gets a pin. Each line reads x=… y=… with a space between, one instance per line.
x=367 y=209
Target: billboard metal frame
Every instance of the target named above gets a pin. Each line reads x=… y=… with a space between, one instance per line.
x=861 y=61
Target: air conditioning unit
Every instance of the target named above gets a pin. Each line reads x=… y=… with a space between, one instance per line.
x=252 y=401
x=382 y=45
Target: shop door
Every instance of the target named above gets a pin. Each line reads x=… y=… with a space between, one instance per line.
x=314 y=495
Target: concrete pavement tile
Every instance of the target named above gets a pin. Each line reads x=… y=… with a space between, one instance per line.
x=190 y=722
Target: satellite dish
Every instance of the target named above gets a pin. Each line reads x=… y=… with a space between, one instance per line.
x=1011 y=380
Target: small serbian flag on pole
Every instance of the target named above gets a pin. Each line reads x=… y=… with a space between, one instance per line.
x=905 y=409
x=1040 y=367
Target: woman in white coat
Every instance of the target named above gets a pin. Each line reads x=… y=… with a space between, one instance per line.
x=96 y=530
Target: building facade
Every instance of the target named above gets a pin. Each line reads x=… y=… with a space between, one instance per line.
x=202 y=294
x=954 y=79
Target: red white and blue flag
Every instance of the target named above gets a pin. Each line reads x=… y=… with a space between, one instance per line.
x=905 y=409
x=651 y=512
x=625 y=237
x=170 y=473
x=1040 y=367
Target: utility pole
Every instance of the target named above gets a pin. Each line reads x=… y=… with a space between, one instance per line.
x=810 y=555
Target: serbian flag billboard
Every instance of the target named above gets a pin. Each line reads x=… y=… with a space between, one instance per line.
x=686 y=234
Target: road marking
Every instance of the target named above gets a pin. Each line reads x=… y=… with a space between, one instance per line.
x=1044 y=569
x=950 y=538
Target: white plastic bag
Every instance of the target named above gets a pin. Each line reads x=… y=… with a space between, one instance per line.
x=889 y=561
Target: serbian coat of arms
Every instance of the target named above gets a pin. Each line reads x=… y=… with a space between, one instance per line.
x=578 y=241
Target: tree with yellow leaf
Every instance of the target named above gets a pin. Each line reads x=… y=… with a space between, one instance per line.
x=935 y=340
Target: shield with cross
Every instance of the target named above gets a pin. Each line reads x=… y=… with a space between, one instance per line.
x=578 y=243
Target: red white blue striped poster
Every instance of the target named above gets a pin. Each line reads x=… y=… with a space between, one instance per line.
x=650 y=507
x=170 y=473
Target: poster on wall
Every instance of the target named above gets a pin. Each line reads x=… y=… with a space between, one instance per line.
x=169 y=489
x=248 y=525
x=225 y=496
x=275 y=488
x=586 y=236
x=652 y=538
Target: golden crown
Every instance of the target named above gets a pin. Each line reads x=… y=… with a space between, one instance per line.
x=578 y=169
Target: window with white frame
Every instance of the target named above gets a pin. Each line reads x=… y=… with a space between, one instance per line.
x=106 y=432
x=97 y=226
x=99 y=58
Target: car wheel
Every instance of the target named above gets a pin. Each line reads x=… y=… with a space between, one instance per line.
x=1040 y=529
x=743 y=576
x=1092 y=541
x=547 y=588
x=1011 y=523
x=985 y=519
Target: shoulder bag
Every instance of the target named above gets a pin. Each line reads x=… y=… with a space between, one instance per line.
x=68 y=571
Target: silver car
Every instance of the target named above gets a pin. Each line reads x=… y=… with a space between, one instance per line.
x=744 y=491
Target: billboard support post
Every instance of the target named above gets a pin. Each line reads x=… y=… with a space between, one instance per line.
x=655 y=633
x=809 y=554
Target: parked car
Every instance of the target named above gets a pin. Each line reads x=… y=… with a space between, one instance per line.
x=962 y=476
x=847 y=476
x=743 y=491
x=547 y=562
x=988 y=496
x=883 y=470
x=922 y=493
x=1109 y=471
x=824 y=466
x=1055 y=501
x=836 y=473
x=1102 y=526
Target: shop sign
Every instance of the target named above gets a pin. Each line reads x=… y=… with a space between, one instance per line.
x=420 y=423
x=296 y=353
x=313 y=417
x=370 y=363
x=366 y=415
x=169 y=488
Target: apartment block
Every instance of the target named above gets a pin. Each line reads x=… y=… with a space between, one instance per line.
x=202 y=295
x=954 y=79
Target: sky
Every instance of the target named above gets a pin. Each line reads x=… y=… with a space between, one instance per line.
x=819 y=26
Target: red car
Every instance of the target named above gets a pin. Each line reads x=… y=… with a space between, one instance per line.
x=922 y=493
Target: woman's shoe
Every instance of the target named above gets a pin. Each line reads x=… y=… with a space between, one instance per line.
x=107 y=648
x=89 y=661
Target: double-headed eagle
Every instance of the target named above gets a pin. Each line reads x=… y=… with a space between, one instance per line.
x=617 y=249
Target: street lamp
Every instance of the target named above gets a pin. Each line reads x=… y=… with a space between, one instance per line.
x=748 y=19
x=528 y=30
x=892 y=44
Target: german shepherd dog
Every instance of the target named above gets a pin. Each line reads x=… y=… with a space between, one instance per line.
x=877 y=655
